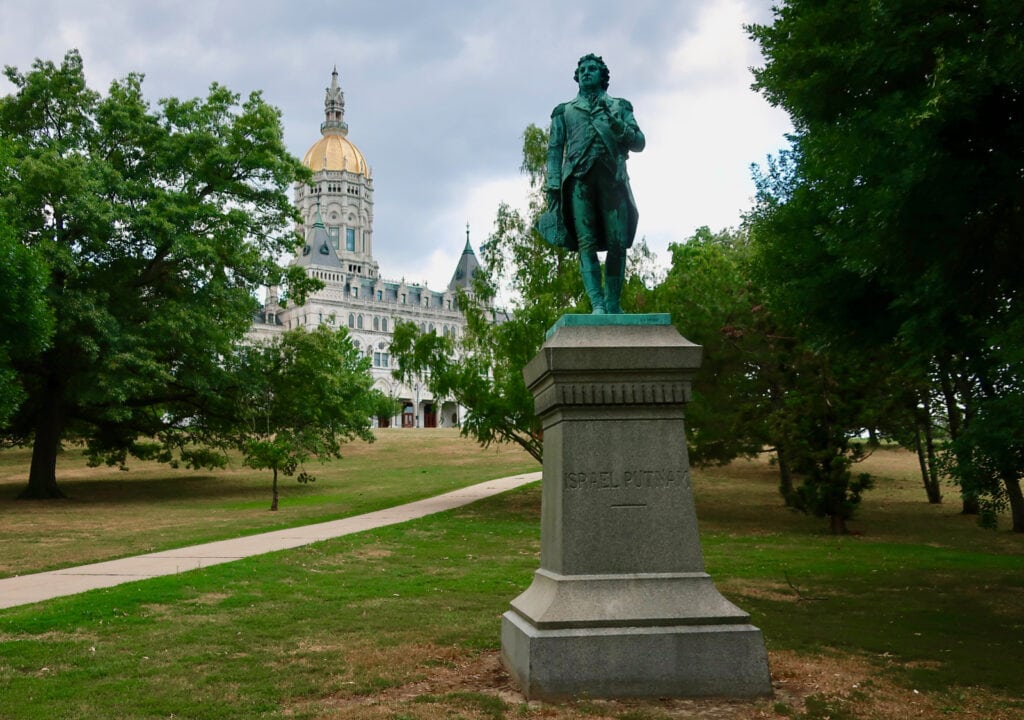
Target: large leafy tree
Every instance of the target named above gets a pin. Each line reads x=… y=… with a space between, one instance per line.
x=907 y=205
x=761 y=386
x=152 y=230
x=299 y=397
x=708 y=290
x=27 y=318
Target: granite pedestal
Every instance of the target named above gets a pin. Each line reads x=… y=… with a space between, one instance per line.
x=621 y=605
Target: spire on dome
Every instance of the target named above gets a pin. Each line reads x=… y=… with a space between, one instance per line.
x=334 y=151
x=334 y=108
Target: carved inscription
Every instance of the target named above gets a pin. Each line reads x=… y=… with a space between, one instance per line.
x=627 y=479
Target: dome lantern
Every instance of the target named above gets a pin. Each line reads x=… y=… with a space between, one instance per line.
x=334 y=151
x=334 y=108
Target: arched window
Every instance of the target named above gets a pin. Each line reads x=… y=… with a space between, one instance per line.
x=359 y=322
x=351 y=320
x=384 y=324
x=376 y=323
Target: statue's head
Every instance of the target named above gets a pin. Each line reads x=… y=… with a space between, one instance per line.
x=591 y=57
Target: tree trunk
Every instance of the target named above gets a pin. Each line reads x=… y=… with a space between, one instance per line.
x=42 y=474
x=837 y=524
x=1016 y=498
x=921 y=462
x=955 y=419
x=785 y=477
x=273 y=504
x=926 y=457
x=971 y=505
x=934 y=488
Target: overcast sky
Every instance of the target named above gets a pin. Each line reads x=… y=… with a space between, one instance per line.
x=437 y=94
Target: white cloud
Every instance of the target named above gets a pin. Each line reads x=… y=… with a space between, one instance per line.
x=704 y=128
x=474 y=202
x=717 y=48
x=438 y=94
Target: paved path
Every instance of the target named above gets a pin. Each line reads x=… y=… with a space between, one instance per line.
x=27 y=589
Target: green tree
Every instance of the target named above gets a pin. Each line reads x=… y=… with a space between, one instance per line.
x=760 y=386
x=708 y=290
x=153 y=230
x=27 y=319
x=907 y=146
x=300 y=397
x=481 y=370
x=821 y=413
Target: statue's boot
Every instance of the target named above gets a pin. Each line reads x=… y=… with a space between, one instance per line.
x=616 y=268
x=590 y=268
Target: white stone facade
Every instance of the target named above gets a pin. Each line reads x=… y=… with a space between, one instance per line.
x=337 y=212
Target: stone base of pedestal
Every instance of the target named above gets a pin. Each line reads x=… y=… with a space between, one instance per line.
x=682 y=661
x=621 y=605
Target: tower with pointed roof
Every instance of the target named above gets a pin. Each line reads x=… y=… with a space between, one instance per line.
x=337 y=207
x=337 y=227
x=467 y=268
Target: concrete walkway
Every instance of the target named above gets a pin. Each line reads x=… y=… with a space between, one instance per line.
x=27 y=589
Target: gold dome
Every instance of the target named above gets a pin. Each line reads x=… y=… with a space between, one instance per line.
x=335 y=152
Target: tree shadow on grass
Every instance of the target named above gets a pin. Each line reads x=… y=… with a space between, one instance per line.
x=929 y=630
x=128 y=491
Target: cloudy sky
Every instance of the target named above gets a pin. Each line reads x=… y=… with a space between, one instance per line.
x=438 y=94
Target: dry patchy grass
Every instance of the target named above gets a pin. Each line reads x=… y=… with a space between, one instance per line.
x=742 y=498
x=444 y=682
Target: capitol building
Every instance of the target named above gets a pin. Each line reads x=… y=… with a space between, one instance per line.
x=337 y=224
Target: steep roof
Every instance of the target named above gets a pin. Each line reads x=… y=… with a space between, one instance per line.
x=317 y=250
x=466 y=269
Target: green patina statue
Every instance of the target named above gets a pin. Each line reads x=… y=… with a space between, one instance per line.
x=590 y=204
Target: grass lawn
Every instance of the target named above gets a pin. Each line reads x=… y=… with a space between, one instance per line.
x=111 y=514
x=919 y=615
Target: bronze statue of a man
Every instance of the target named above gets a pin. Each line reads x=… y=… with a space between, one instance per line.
x=587 y=185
